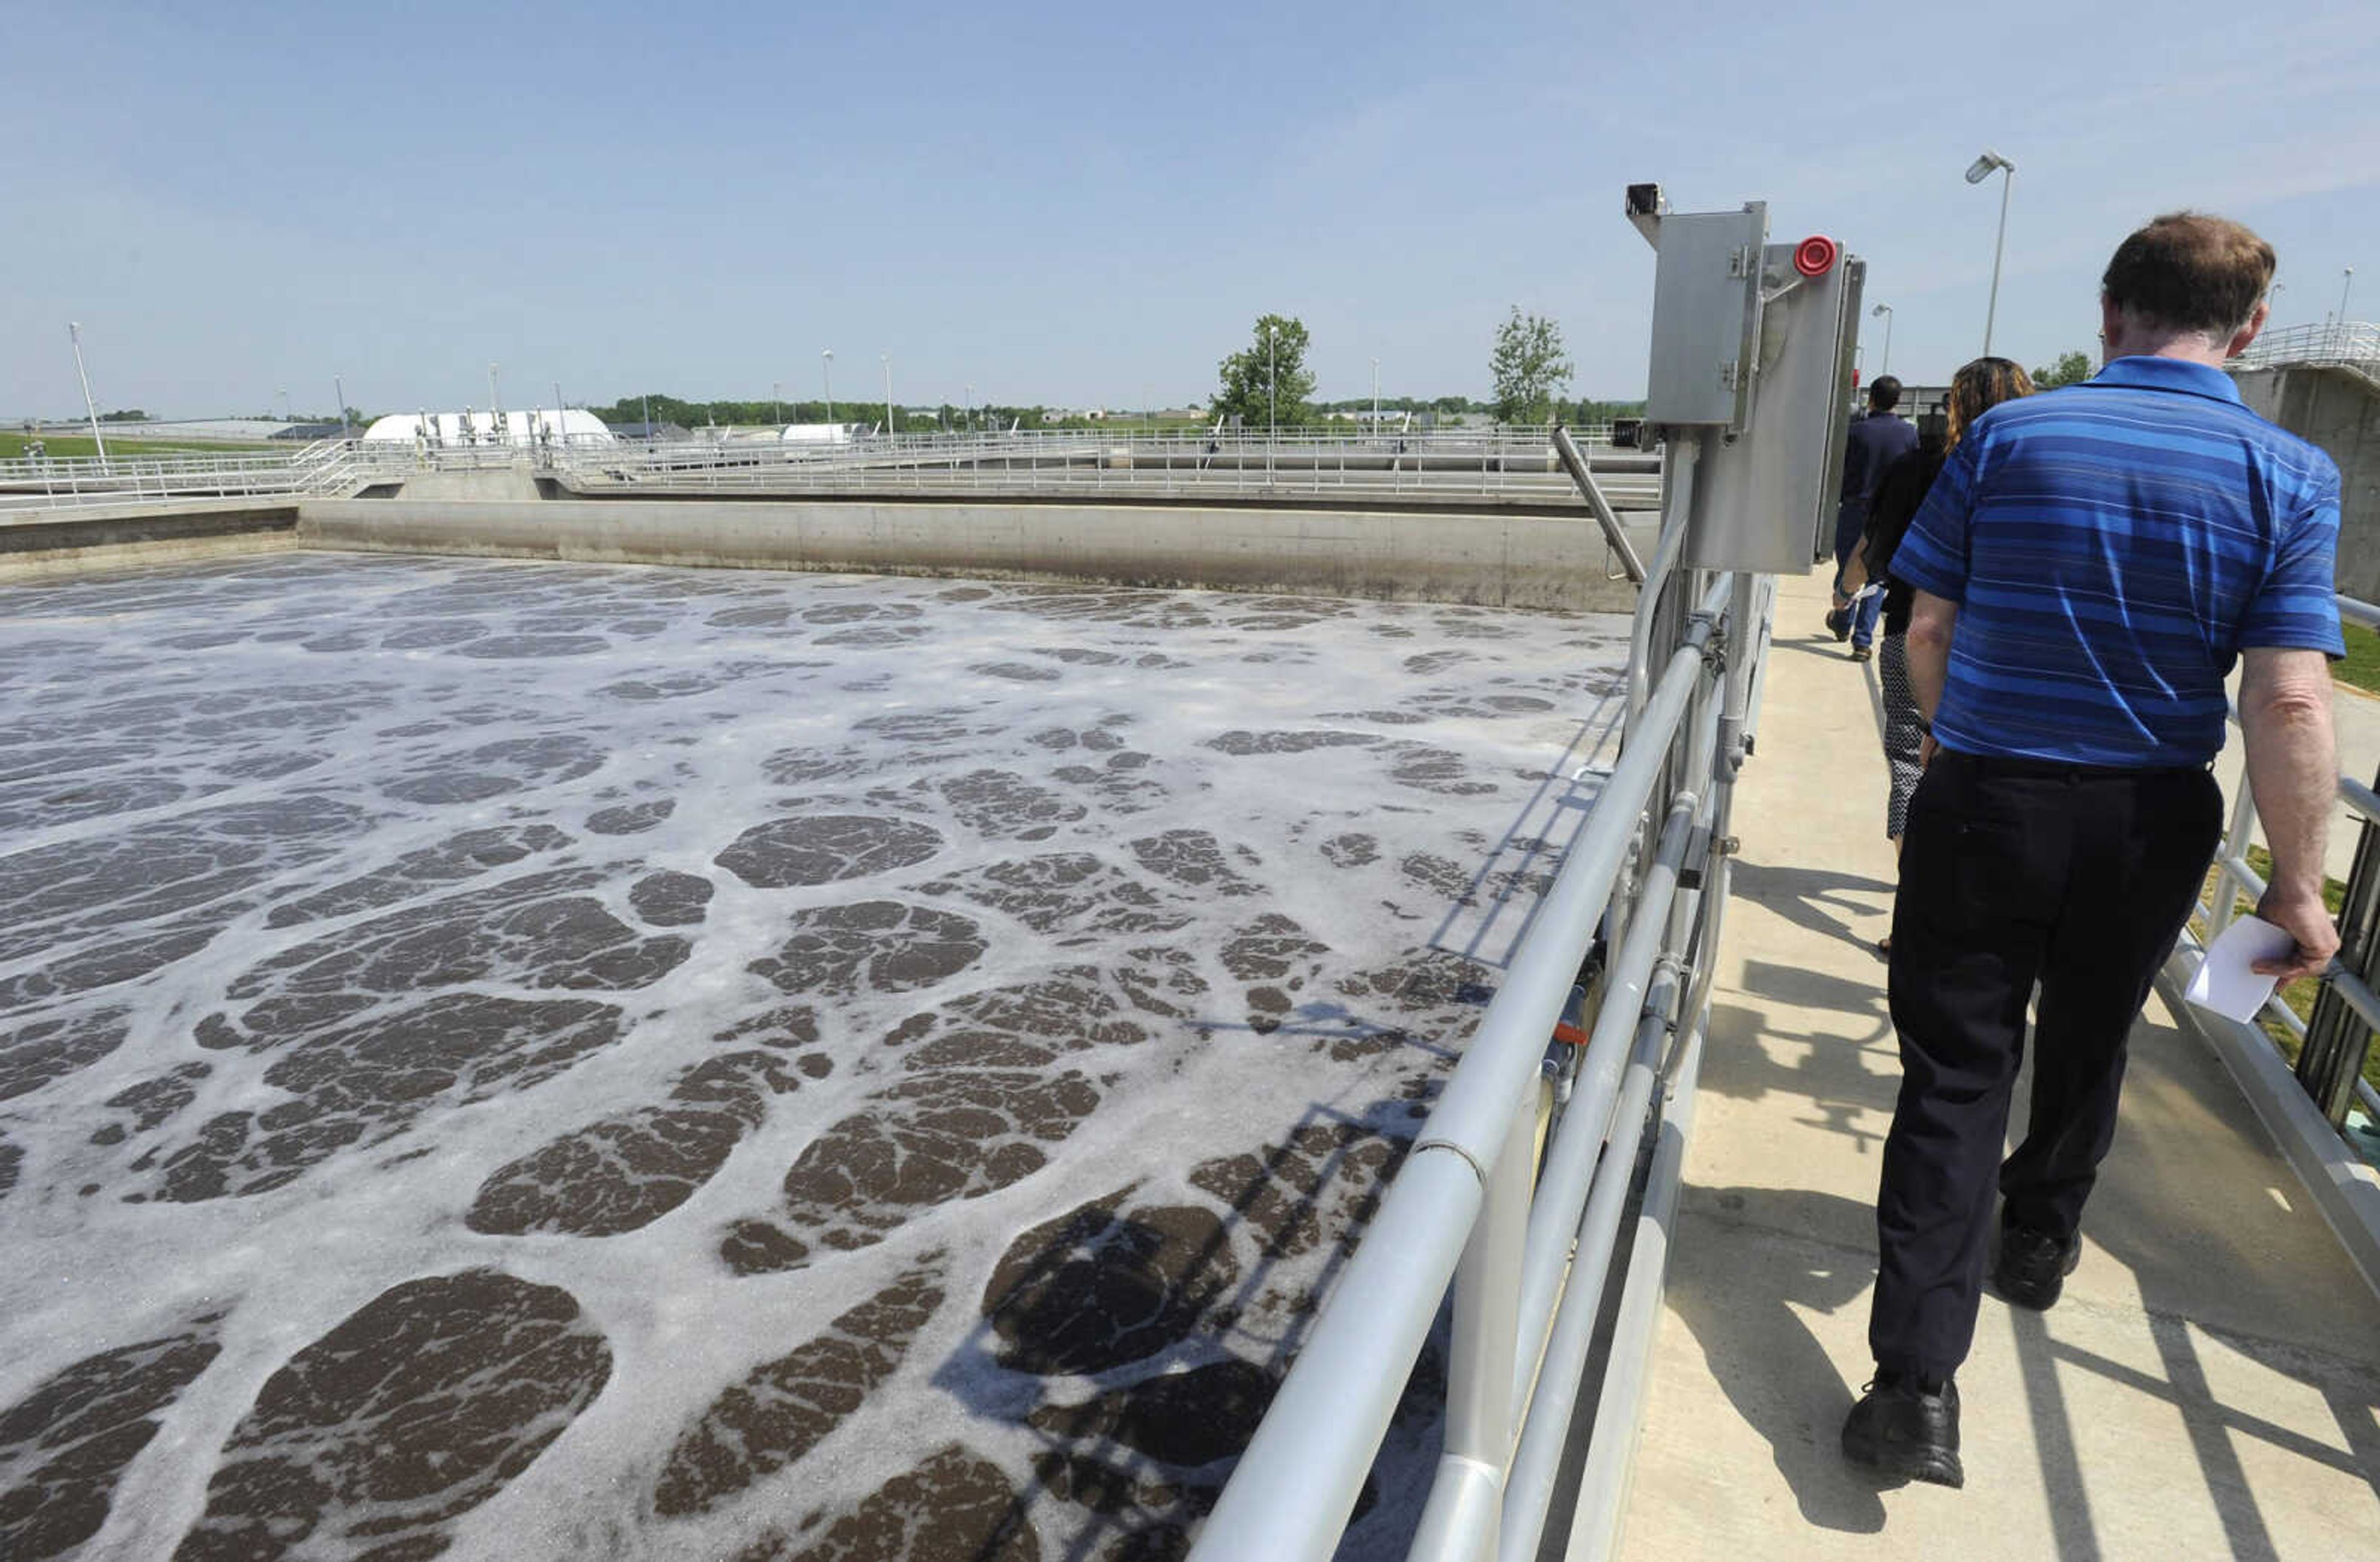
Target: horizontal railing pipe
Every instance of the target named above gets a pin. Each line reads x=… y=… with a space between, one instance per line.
x=1295 y=1484
x=1611 y=1446
x=1469 y=1115
x=1587 y=1119
x=1536 y=1462
x=1290 y=1493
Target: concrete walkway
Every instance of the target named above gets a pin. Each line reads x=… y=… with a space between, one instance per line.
x=2207 y=1387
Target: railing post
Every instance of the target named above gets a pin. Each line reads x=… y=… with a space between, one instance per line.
x=2234 y=845
x=1482 y=1413
x=2337 y=1040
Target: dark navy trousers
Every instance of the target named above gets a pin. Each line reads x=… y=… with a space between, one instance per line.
x=2013 y=872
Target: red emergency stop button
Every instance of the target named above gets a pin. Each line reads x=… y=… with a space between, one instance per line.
x=1815 y=255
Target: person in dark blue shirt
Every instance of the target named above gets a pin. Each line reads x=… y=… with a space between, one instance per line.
x=2088 y=567
x=1876 y=441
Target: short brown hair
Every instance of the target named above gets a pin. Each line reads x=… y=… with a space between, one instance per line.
x=2187 y=270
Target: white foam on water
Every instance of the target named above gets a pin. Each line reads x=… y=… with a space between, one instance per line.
x=366 y=825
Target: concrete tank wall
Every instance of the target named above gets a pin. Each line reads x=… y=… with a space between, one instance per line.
x=1489 y=560
x=2338 y=410
x=492 y=482
x=87 y=537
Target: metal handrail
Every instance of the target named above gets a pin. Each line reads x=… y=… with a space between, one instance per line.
x=2234 y=878
x=1507 y=465
x=1528 y=1254
x=2340 y=341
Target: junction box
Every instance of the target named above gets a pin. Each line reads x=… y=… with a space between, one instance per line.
x=1752 y=368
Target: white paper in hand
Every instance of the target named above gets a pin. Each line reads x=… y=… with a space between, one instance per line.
x=2224 y=983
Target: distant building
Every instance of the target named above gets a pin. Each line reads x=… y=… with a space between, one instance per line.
x=818 y=434
x=522 y=429
x=659 y=432
x=311 y=431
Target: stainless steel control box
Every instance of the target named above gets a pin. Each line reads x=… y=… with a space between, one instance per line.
x=1751 y=381
x=1765 y=497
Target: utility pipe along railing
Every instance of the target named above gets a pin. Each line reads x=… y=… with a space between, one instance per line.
x=1528 y=1276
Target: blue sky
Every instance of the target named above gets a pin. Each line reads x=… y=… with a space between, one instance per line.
x=1090 y=204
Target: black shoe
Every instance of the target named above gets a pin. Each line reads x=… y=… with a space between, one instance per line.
x=1839 y=624
x=2032 y=1266
x=1902 y=1433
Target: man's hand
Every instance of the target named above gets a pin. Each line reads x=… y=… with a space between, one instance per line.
x=1926 y=749
x=2305 y=918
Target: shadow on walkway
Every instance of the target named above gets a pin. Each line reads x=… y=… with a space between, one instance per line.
x=1746 y=1311
x=1821 y=900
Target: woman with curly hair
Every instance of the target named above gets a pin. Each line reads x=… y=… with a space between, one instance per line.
x=1977 y=387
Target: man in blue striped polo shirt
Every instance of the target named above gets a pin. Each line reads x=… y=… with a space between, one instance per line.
x=2088 y=567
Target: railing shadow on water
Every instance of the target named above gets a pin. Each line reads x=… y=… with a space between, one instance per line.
x=1317 y=1190
x=1523 y=858
x=1138 y=1304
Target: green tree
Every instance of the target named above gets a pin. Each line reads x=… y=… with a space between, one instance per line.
x=2071 y=368
x=1529 y=368
x=1267 y=383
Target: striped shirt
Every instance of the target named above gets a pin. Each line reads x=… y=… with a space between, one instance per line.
x=2112 y=547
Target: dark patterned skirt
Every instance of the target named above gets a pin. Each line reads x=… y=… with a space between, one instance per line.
x=1902 y=733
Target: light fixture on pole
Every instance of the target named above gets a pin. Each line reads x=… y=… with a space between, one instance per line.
x=1884 y=365
x=1982 y=168
x=826 y=358
x=886 y=358
x=74 y=335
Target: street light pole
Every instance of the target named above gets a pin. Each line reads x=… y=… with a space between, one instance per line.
x=886 y=358
x=341 y=387
x=777 y=398
x=1272 y=389
x=495 y=401
x=1884 y=365
x=2344 y=287
x=74 y=335
x=1376 y=396
x=1977 y=172
x=827 y=356
x=285 y=406
x=970 y=408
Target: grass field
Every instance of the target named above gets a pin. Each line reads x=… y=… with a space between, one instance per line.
x=2362 y=667
x=63 y=446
